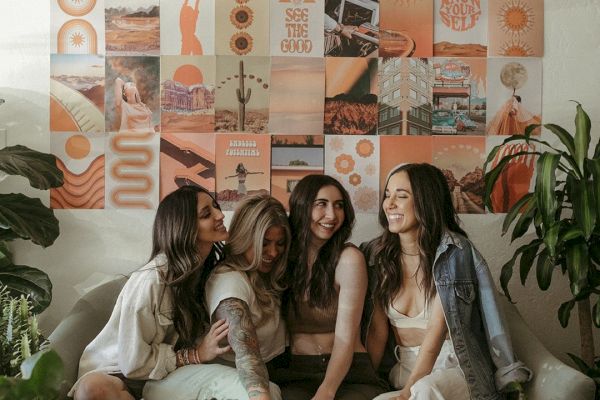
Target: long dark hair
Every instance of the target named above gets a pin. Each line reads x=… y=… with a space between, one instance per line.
x=434 y=213
x=319 y=283
x=175 y=234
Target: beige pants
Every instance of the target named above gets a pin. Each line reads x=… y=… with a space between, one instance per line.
x=445 y=382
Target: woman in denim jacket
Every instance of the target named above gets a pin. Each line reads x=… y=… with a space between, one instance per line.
x=435 y=290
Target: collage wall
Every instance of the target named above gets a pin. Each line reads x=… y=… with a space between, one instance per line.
x=248 y=96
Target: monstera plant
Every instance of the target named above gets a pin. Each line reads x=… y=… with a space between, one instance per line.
x=23 y=217
x=564 y=211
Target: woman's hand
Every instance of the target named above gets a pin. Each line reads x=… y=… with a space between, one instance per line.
x=323 y=395
x=403 y=395
x=209 y=348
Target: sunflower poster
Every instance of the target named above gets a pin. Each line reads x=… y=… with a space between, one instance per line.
x=243 y=27
x=516 y=28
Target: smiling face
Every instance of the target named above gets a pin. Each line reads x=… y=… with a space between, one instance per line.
x=398 y=205
x=327 y=214
x=273 y=246
x=210 y=221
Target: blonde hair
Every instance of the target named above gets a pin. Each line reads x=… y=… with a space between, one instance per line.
x=250 y=222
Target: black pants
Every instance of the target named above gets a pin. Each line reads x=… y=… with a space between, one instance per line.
x=304 y=374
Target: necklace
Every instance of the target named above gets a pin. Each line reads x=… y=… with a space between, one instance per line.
x=409 y=254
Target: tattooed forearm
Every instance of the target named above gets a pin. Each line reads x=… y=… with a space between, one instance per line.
x=243 y=341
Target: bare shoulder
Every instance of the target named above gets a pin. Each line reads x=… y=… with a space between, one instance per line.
x=351 y=266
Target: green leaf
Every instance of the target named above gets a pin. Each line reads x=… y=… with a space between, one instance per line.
x=582 y=136
x=581 y=194
x=5 y=255
x=544 y=269
x=21 y=279
x=551 y=238
x=565 y=137
x=527 y=259
x=39 y=168
x=28 y=219
x=596 y=314
x=507 y=268
x=581 y=365
x=522 y=203
x=44 y=371
x=564 y=312
x=577 y=265
x=545 y=185
x=594 y=167
x=571 y=233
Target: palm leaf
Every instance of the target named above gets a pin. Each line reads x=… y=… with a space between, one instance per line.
x=522 y=203
x=564 y=312
x=544 y=186
x=577 y=265
x=527 y=259
x=582 y=136
x=544 y=269
x=581 y=193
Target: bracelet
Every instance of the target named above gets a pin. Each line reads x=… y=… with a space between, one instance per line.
x=197 y=356
x=185 y=356
x=193 y=358
x=179 y=358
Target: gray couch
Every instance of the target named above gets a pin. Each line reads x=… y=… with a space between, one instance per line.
x=553 y=380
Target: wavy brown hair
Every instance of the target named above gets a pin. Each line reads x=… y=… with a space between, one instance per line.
x=175 y=234
x=434 y=213
x=319 y=285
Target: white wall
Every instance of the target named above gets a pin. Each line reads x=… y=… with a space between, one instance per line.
x=95 y=243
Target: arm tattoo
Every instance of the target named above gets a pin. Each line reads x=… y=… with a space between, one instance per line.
x=243 y=341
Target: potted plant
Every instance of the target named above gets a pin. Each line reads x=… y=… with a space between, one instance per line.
x=564 y=210
x=23 y=217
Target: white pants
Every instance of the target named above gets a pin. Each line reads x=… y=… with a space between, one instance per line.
x=202 y=382
x=445 y=382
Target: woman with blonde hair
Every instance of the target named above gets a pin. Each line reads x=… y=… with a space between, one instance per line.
x=244 y=291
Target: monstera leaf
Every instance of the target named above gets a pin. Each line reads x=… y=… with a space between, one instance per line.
x=39 y=168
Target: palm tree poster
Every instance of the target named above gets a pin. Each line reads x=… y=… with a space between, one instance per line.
x=187 y=160
x=76 y=93
x=242 y=94
x=187 y=28
x=132 y=27
x=516 y=28
x=297 y=28
x=297 y=96
x=243 y=164
x=461 y=160
x=292 y=158
x=77 y=27
x=406 y=28
x=515 y=100
x=243 y=27
x=350 y=96
x=460 y=28
x=81 y=159
x=187 y=93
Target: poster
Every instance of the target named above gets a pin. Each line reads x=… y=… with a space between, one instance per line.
x=132 y=27
x=516 y=28
x=242 y=27
x=460 y=28
x=406 y=28
x=297 y=28
x=187 y=27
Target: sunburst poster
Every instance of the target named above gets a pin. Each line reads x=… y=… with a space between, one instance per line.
x=406 y=28
x=297 y=95
x=243 y=27
x=187 y=98
x=516 y=28
x=187 y=159
x=187 y=28
x=354 y=162
x=81 y=159
x=461 y=160
x=460 y=28
x=77 y=27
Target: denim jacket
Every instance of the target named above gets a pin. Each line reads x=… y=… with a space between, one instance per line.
x=475 y=323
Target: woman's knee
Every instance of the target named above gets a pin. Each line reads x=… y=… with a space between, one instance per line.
x=99 y=386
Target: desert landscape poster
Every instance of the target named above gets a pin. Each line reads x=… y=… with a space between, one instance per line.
x=406 y=28
x=516 y=28
x=187 y=93
x=76 y=93
x=187 y=27
x=242 y=94
x=297 y=97
x=132 y=27
x=460 y=28
x=351 y=96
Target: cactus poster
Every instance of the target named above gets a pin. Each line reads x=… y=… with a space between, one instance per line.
x=132 y=27
x=402 y=149
x=81 y=159
x=77 y=27
x=516 y=101
x=297 y=28
x=243 y=167
x=242 y=94
x=460 y=28
x=76 y=93
x=243 y=27
x=292 y=158
x=187 y=159
x=187 y=93
x=297 y=97
x=351 y=96
x=516 y=28
x=406 y=28
x=187 y=27
x=461 y=160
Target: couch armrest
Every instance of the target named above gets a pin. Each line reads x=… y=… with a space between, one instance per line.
x=552 y=379
x=81 y=325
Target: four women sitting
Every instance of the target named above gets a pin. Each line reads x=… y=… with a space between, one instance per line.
x=200 y=321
